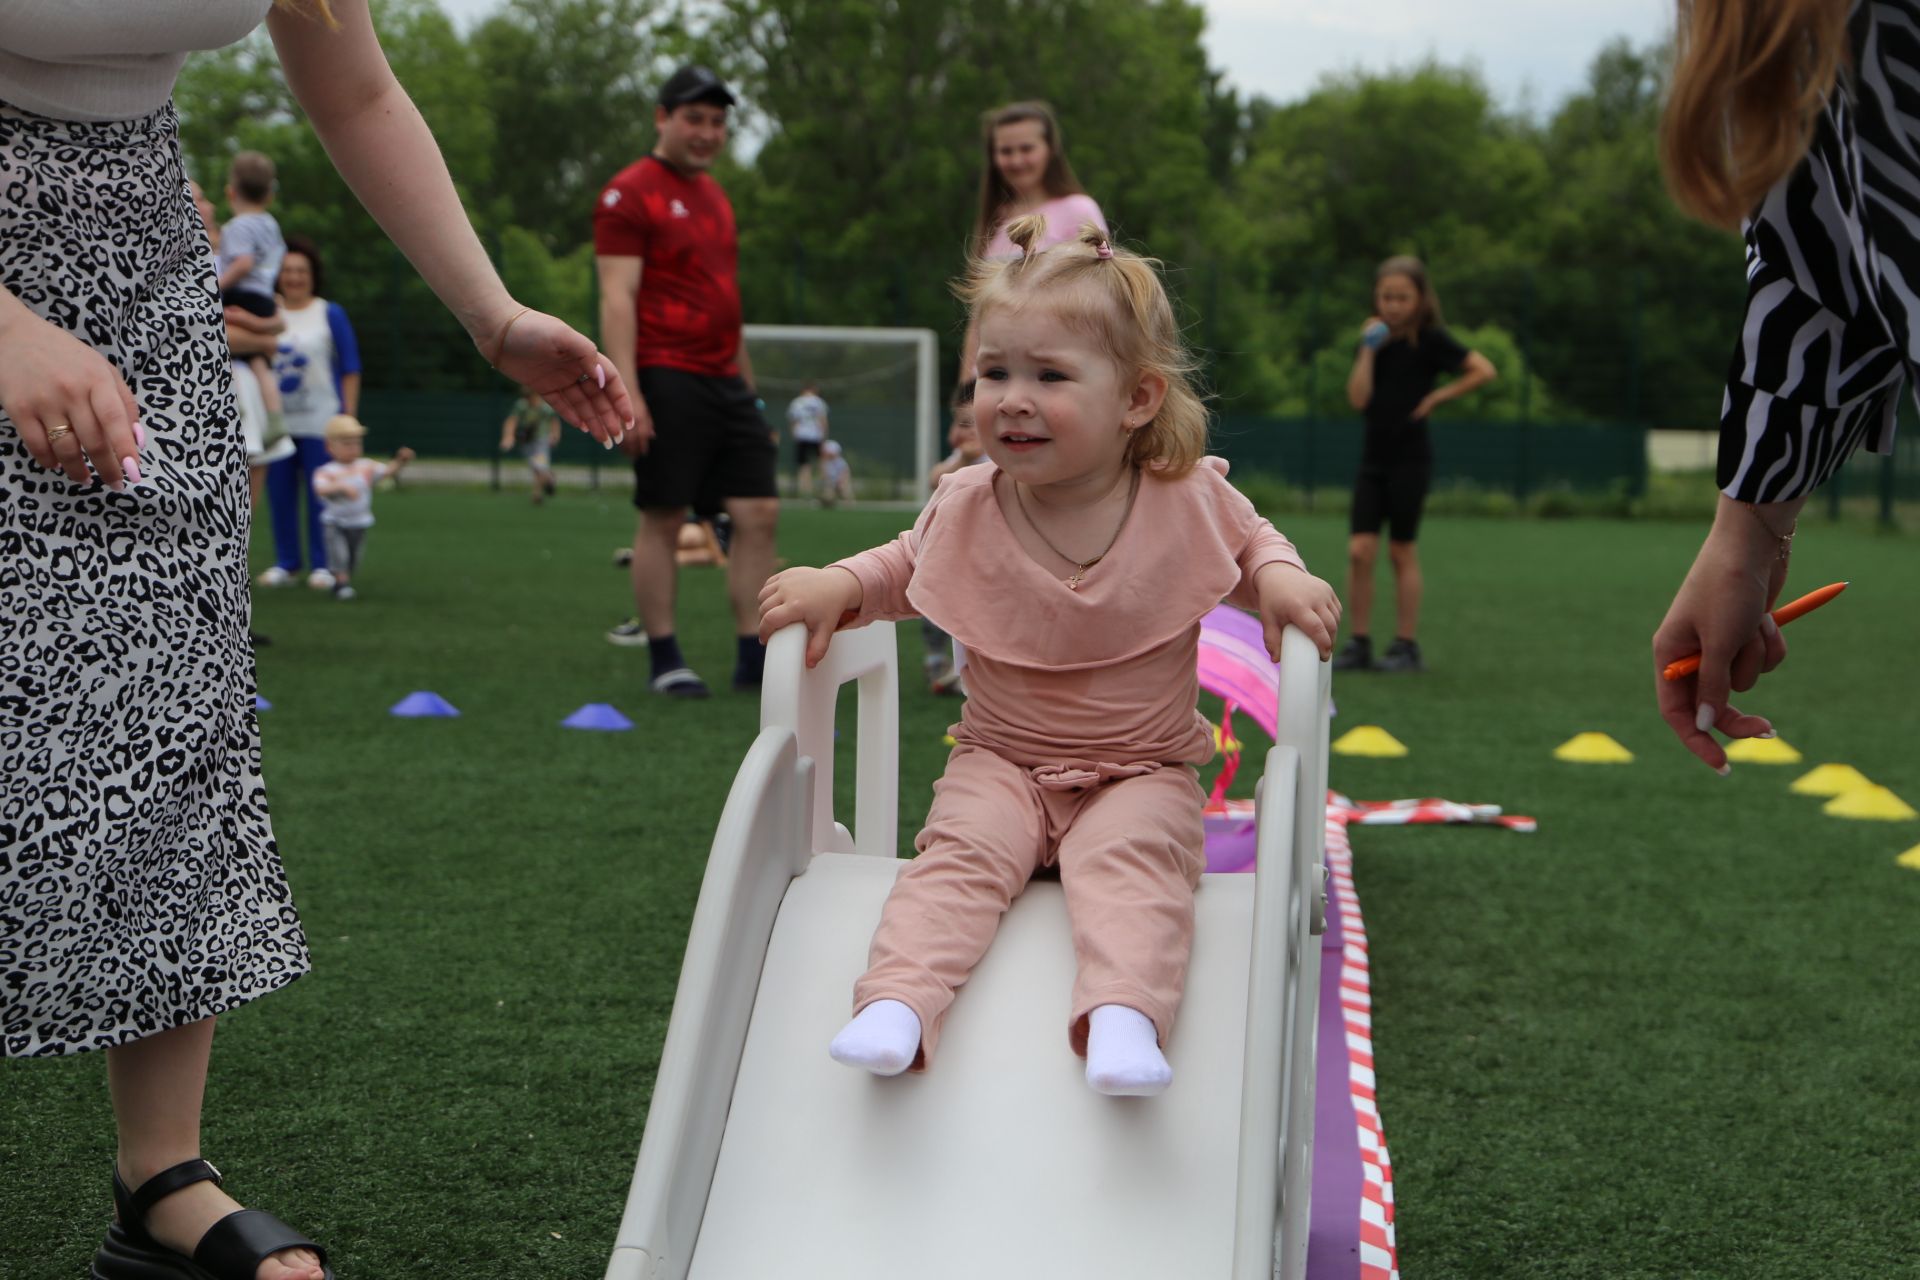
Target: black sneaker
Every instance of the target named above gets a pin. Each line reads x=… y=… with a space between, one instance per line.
x=629 y=634
x=1355 y=655
x=1401 y=655
x=680 y=682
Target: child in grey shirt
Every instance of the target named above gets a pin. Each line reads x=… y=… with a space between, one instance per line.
x=251 y=249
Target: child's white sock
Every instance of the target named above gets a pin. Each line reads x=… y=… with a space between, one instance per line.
x=883 y=1038
x=1123 y=1053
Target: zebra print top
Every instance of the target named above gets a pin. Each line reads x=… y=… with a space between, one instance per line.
x=1833 y=279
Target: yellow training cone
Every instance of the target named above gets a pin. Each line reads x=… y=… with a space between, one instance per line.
x=1830 y=780
x=1911 y=858
x=1761 y=751
x=1592 y=748
x=1368 y=740
x=1869 y=802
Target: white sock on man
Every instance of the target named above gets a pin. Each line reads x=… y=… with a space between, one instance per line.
x=1123 y=1053
x=883 y=1038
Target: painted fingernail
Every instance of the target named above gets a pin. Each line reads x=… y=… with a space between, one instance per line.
x=1703 y=718
x=139 y=436
x=607 y=443
x=1724 y=770
x=600 y=372
x=618 y=436
x=1768 y=734
x=132 y=469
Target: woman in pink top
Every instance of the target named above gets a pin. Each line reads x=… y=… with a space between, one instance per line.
x=1076 y=570
x=1025 y=172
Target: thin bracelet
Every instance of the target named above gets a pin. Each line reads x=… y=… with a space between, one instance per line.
x=500 y=348
x=1783 y=542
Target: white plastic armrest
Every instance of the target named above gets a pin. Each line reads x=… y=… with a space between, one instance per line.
x=795 y=698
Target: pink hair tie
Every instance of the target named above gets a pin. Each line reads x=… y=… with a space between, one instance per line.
x=1103 y=250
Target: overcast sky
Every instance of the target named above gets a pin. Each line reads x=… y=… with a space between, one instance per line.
x=1525 y=48
x=1531 y=51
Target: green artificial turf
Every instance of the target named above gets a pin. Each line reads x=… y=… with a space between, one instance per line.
x=1672 y=1034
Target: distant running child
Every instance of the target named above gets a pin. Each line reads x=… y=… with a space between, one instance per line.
x=345 y=485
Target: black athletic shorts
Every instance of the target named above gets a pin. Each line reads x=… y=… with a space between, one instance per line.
x=258 y=304
x=805 y=451
x=709 y=442
x=1393 y=492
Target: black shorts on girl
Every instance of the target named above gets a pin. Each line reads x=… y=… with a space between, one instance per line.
x=710 y=442
x=1396 y=462
x=1393 y=493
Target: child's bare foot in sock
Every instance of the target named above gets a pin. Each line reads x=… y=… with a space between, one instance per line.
x=883 y=1038
x=1123 y=1053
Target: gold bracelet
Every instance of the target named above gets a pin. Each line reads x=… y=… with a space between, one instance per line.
x=1783 y=541
x=500 y=347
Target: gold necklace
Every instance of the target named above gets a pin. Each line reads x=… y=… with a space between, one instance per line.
x=1079 y=567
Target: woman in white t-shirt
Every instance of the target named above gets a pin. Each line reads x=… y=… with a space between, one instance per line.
x=318 y=367
x=1025 y=171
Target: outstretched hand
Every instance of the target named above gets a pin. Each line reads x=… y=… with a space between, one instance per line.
x=545 y=354
x=1292 y=596
x=820 y=598
x=1720 y=613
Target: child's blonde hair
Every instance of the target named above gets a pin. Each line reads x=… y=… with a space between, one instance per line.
x=1116 y=298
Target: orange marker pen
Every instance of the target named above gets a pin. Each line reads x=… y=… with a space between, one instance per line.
x=1681 y=668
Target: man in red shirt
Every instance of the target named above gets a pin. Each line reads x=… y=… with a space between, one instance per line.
x=668 y=260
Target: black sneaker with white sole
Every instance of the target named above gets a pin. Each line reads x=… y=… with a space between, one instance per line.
x=680 y=682
x=629 y=633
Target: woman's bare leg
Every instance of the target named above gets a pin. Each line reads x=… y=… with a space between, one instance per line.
x=157 y=1085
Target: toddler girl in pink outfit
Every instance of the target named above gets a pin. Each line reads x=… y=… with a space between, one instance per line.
x=1075 y=570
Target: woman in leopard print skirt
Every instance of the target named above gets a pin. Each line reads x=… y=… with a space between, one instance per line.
x=141 y=893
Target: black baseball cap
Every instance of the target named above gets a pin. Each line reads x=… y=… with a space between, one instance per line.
x=694 y=84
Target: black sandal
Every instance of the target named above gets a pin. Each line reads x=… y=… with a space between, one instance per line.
x=232 y=1249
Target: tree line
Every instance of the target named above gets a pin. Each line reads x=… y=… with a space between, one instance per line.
x=855 y=172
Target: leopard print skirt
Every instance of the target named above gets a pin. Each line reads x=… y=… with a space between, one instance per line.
x=140 y=888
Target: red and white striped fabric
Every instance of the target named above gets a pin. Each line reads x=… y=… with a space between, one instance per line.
x=1378 y=1258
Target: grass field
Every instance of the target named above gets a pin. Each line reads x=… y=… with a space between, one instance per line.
x=1672 y=1034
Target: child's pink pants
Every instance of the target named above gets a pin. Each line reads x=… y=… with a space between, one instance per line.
x=1130 y=846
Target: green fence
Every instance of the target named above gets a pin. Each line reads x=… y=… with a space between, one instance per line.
x=1501 y=457
x=1307 y=454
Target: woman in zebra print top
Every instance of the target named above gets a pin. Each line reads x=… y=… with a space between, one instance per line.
x=1799 y=119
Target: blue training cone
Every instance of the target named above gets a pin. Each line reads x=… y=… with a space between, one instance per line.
x=261 y=704
x=424 y=703
x=598 y=715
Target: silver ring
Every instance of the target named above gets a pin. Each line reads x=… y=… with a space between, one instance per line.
x=583 y=379
x=55 y=433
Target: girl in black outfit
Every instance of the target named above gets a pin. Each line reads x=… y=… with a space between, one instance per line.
x=1403 y=350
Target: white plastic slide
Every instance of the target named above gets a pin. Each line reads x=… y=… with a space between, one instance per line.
x=766 y=1160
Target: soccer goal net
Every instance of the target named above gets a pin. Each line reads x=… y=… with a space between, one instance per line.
x=879 y=386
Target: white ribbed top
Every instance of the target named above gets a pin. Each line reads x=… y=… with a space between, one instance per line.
x=109 y=59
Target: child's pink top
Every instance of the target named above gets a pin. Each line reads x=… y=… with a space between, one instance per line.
x=1064 y=218
x=1105 y=674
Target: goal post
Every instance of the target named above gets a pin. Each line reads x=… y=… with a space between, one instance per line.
x=880 y=386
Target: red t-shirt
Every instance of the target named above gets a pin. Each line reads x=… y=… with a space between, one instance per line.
x=681 y=229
